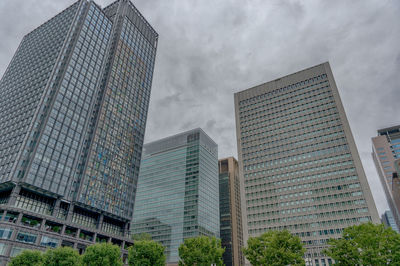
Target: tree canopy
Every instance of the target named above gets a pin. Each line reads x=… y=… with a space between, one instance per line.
x=61 y=256
x=146 y=253
x=201 y=251
x=275 y=248
x=366 y=244
x=104 y=254
x=27 y=258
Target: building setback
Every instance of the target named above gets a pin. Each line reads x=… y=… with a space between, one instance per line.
x=388 y=221
x=385 y=150
x=300 y=165
x=231 y=229
x=177 y=196
x=73 y=107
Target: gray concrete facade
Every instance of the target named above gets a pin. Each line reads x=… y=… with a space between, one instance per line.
x=385 y=150
x=299 y=162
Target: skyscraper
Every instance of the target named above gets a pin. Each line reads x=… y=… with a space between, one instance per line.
x=231 y=229
x=177 y=194
x=385 y=150
x=73 y=107
x=301 y=168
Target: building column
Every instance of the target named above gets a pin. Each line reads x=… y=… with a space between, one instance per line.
x=126 y=230
x=19 y=219
x=42 y=225
x=70 y=212
x=78 y=232
x=100 y=221
x=56 y=207
x=63 y=229
x=14 y=195
x=4 y=216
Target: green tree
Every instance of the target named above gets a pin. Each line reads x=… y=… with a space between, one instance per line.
x=365 y=244
x=104 y=254
x=141 y=236
x=28 y=258
x=275 y=248
x=201 y=251
x=146 y=253
x=61 y=256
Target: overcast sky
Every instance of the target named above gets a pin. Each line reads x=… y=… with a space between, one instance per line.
x=209 y=49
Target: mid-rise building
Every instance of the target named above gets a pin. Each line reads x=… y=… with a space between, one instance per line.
x=231 y=229
x=299 y=161
x=388 y=221
x=178 y=192
x=73 y=107
x=385 y=150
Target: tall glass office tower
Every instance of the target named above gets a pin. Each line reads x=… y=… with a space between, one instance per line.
x=301 y=168
x=178 y=192
x=73 y=107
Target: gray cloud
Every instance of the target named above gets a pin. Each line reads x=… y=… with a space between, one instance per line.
x=210 y=49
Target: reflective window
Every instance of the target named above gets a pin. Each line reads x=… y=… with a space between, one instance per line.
x=26 y=237
x=5 y=233
x=49 y=241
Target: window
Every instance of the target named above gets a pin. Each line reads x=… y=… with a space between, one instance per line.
x=16 y=250
x=5 y=233
x=49 y=241
x=3 y=249
x=26 y=237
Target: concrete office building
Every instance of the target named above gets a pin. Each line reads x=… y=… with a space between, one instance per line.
x=73 y=107
x=231 y=229
x=177 y=195
x=385 y=150
x=300 y=165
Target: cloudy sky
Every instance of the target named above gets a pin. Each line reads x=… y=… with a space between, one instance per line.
x=210 y=49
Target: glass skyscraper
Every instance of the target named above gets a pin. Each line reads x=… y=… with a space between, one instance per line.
x=299 y=161
x=73 y=107
x=178 y=192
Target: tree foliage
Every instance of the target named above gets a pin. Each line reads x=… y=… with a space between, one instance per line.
x=28 y=258
x=141 y=236
x=201 y=251
x=366 y=244
x=146 y=253
x=61 y=256
x=104 y=254
x=275 y=248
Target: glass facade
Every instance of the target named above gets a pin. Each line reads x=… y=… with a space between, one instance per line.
x=389 y=221
x=58 y=149
x=73 y=109
x=109 y=181
x=25 y=84
x=177 y=194
x=300 y=165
